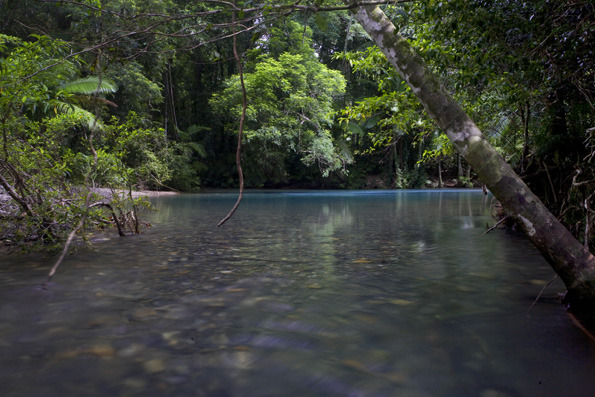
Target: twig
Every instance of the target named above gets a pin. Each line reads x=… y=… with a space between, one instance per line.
x=541 y=293
x=240 y=131
x=547 y=172
x=134 y=211
x=587 y=222
x=292 y=7
x=157 y=181
x=496 y=225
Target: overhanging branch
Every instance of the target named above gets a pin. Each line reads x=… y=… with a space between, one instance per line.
x=229 y=6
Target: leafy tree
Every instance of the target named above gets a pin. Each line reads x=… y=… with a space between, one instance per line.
x=137 y=92
x=148 y=158
x=291 y=97
x=48 y=152
x=525 y=69
x=527 y=64
x=31 y=170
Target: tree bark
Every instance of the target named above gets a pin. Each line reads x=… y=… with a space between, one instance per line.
x=570 y=260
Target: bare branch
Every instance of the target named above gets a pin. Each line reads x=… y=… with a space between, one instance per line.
x=496 y=225
x=541 y=293
x=90 y=49
x=253 y=15
x=69 y=240
x=116 y=221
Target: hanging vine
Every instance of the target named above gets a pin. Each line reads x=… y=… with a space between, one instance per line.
x=240 y=130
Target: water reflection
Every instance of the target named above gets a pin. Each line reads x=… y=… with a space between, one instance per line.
x=300 y=294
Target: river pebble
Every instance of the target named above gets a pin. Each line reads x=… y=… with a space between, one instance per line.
x=153 y=366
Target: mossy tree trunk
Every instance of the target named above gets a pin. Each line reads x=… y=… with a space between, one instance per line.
x=574 y=264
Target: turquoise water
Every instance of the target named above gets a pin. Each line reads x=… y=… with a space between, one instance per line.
x=376 y=293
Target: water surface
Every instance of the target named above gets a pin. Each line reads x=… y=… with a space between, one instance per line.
x=384 y=293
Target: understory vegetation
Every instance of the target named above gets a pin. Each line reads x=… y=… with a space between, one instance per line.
x=126 y=94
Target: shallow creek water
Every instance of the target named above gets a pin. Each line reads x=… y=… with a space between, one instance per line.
x=384 y=293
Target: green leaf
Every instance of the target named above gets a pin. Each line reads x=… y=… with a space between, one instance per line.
x=372 y=121
x=355 y=128
x=321 y=21
x=90 y=85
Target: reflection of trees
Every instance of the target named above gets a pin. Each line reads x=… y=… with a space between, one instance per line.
x=419 y=229
x=405 y=275
x=360 y=226
x=320 y=234
x=330 y=219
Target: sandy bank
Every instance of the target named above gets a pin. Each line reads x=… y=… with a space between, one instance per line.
x=107 y=193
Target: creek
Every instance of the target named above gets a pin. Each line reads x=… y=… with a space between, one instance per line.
x=358 y=293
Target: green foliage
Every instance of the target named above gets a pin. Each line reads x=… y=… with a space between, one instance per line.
x=81 y=92
x=147 y=157
x=441 y=146
x=25 y=78
x=390 y=121
x=137 y=93
x=89 y=86
x=46 y=203
x=46 y=155
x=290 y=101
x=109 y=170
x=524 y=70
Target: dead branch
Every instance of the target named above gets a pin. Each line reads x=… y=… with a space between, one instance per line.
x=587 y=221
x=496 y=225
x=547 y=172
x=116 y=221
x=15 y=196
x=541 y=293
x=576 y=322
x=69 y=240
x=256 y=16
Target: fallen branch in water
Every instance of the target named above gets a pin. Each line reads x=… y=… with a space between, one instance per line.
x=496 y=225
x=69 y=240
x=541 y=293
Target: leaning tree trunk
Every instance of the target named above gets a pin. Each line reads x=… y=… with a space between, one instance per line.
x=570 y=260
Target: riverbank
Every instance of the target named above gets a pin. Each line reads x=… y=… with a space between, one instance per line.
x=108 y=193
x=13 y=218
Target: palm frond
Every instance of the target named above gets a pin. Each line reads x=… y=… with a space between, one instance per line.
x=90 y=85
